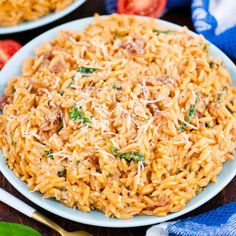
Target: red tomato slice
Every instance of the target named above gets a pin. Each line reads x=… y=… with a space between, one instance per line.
x=152 y=8
x=8 y=48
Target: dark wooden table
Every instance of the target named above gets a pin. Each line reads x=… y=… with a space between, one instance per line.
x=180 y=16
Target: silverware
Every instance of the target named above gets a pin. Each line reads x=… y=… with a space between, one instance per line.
x=29 y=211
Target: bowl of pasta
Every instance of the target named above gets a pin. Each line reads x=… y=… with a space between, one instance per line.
x=17 y=16
x=118 y=121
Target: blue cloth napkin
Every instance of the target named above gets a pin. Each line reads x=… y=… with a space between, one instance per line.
x=215 y=19
x=218 y=222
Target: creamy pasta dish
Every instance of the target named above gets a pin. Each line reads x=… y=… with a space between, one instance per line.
x=126 y=117
x=13 y=12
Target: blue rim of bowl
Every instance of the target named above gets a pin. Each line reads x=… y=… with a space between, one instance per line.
x=28 y=25
x=94 y=217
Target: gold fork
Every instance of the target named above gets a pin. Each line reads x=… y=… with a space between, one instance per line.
x=24 y=208
x=46 y=221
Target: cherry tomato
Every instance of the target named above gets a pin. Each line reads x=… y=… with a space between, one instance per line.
x=8 y=48
x=152 y=8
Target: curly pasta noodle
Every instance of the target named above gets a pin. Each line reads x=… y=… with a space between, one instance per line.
x=13 y=12
x=125 y=117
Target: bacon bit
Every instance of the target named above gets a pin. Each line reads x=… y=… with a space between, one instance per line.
x=47 y=54
x=153 y=108
x=46 y=57
x=166 y=79
x=57 y=65
x=200 y=114
x=3 y=102
x=233 y=132
x=129 y=47
x=132 y=47
x=52 y=122
x=93 y=159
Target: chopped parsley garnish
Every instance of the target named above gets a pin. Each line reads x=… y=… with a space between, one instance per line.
x=211 y=64
x=69 y=85
x=117 y=85
x=86 y=120
x=158 y=32
x=207 y=126
x=12 y=138
x=190 y=115
x=197 y=96
x=62 y=93
x=206 y=49
x=225 y=88
x=76 y=113
x=72 y=78
x=219 y=96
x=77 y=162
x=182 y=126
x=86 y=70
x=118 y=36
x=49 y=154
x=218 y=99
x=62 y=173
x=13 y=89
x=129 y=156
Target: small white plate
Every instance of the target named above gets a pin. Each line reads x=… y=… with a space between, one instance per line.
x=28 y=25
x=13 y=67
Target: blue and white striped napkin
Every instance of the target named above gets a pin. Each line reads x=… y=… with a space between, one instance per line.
x=218 y=222
x=216 y=20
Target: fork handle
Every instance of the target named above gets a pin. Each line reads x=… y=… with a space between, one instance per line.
x=16 y=203
x=29 y=211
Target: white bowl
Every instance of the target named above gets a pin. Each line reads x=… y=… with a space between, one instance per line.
x=28 y=25
x=13 y=67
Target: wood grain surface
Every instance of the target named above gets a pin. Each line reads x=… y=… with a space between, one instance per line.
x=181 y=16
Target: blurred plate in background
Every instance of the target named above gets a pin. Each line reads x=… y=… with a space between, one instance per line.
x=28 y=25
